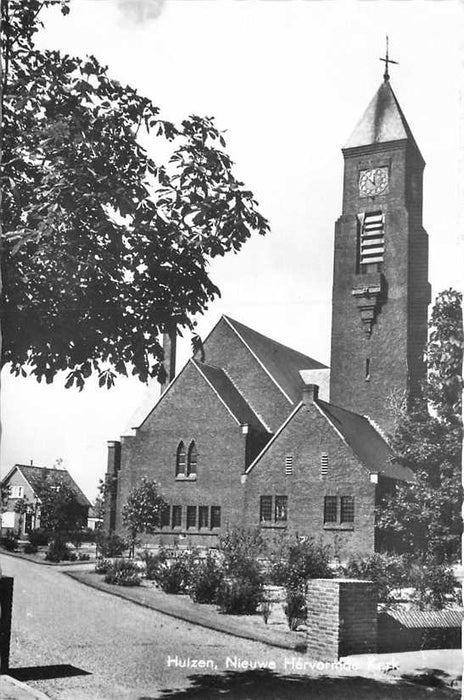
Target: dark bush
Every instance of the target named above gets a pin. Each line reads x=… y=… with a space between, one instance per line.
x=58 y=550
x=295 y=608
x=30 y=548
x=240 y=596
x=123 y=573
x=241 y=545
x=435 y=584
x=102 y=565
x=207 y=577
x=388 y=571
x=39 y=537
x=153 y=563
x=10 y=541
x=110 y=545
x=299 y=560
x=175 y=577
x=83 y=557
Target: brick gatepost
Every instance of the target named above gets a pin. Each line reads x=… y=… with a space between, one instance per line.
x=342 y=618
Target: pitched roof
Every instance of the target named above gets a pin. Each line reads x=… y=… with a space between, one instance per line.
x=282 y=363
x=365 y=441
x=35 y=476
x=230 y=395
x=382 y=121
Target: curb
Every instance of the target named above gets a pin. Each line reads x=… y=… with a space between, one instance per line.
x=217 y=625
x=11 y=689
x=27 y=557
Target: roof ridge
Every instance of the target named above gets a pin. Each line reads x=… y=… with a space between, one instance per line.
x=257 y=414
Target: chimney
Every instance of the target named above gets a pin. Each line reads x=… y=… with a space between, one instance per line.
x=310 y=394
x=114 y=457
x=170 y=349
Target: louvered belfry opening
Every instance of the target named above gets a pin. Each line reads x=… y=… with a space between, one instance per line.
x=371 y=240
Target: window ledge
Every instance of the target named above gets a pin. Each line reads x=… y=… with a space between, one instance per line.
x=278 y=526
x=184 y=477
x=338 y=526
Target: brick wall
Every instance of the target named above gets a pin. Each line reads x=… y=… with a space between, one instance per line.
x=305 y=438
x=189 y=410
x=342 y=618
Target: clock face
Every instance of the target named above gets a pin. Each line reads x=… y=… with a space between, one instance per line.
x=372 y=182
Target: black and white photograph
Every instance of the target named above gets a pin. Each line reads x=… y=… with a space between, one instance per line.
x=231 y=340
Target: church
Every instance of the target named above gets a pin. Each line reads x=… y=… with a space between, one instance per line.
x=252 y=433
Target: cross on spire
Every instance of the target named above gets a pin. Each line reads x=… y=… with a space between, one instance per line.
x=387 y=60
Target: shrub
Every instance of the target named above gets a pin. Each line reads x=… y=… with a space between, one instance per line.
x=102 y=565
x=153 y=563
x=58 y=550
x=83 y=557
x=298 y=561
x=240 y=596
x=30 y=548
x=123 y=573
x=10 y=541
x=207 y=578
x=387 y=571
x=241 y=545
x=295 y=609
x=175 y=577
x=110 y=545
x=435 y=584
x=39 y=537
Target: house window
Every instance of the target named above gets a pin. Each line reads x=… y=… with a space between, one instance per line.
x=191 y=516
x=265 y=509
x=180 y=459
x=16 y=491
x=281 y=507
x=203 y=516
x=215 y=516
x=192 y=459
x=330 y=509
x=324 y=463
x=176 y=516
x=347 y=509
x=371 y=241
x=289 y=465
x=165 y=516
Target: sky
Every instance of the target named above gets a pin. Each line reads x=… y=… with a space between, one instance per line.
x=287 y=81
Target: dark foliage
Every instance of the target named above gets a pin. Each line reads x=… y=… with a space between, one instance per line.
x=298 y=560
x=30 y=548
x=153 y=563
x=207 y=578
x=123 y=573
x=110 y=545
x=39 y=537
x=58 y=550
x=295 y=608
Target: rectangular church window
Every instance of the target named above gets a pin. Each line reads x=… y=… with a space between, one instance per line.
x=176 y=516
x=330 y=509
x=281 y=508
x=347 y=509
x=191 y=516
x=371 y=241
x=203 y=516
x=215 y=516
x=265 y=509
x=165 y=516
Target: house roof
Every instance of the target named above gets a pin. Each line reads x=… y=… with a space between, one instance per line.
x=35 y=476
x=282 y=363
x=372 y=450
x=230 y=395
x=382 y=121
x=419 y=619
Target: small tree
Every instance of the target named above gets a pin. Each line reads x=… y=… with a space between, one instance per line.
x=59 y=508
x=141 y=513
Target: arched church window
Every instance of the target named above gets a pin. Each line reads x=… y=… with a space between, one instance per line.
x=192 y=459
x=180 y=459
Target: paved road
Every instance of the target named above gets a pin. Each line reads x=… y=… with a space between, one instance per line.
x=120 y=650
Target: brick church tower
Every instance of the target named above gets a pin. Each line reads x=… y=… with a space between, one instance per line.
x=380 y=289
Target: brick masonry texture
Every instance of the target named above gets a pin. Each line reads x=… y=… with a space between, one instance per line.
x=305 y=438
x=399 y=333
x=342 y=618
